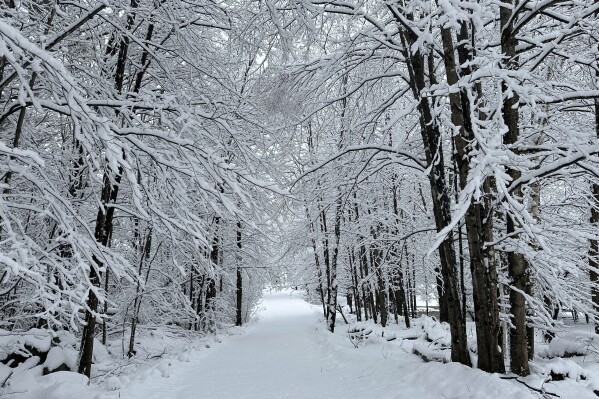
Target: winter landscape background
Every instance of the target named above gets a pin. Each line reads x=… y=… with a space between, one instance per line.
x=299 y=198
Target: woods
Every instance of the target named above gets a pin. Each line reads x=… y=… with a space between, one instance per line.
x=127 y=111
x=163 y=161
x=479 y=117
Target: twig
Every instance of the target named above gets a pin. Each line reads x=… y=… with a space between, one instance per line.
x=539 y=390
x=6 y=379
x=342 y=315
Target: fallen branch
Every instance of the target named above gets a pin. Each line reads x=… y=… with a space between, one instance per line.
x=541 y=390
x=342 y=315
x=6 y=379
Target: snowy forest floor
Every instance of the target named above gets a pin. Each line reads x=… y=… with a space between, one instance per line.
x=287 y=353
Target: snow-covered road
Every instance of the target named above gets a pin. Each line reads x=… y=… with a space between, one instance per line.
x=287 y=353
x=279 y=357
x=284 y=356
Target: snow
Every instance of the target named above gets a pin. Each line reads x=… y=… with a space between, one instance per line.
x=573 y=344
x=562 y=367
x=435 y=331
x=287 y=353
x=113 y=383
x=37 y=339
x=59 y=356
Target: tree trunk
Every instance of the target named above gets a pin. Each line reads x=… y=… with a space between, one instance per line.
x=144 y=255
x=377 y=264
x=239 y=291
x=354 y=279
x=479 y=227
x=327 y=261
x=211 y=280
x=332 y=304
x=431 y=138
x=105 y=216
x=317 y=266
x=594 y=244
x=365 y=299
x=517 y=265
x=367 y=274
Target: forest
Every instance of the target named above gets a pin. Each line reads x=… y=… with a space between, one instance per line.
x=424 y=173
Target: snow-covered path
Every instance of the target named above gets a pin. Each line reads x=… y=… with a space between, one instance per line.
x=283 y=356
x=279 y=357
x=288 y=354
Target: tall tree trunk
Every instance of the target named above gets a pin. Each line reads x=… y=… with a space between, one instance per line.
x=327 y=261
x=320 y=288
x=517 y=265
x=479 y=227
x=363 y=276
x=143 y=255
x=332 y=303
x=377 y=264
x=367 y=296
x=367 y=277
x=382 y=298
x=402 y=290
x=239 y=291
x=102 y=231
x=431 y=138
x=105 y=310
x=105 y=216
x=594 y=244
x=211 y=279
x=355 y=288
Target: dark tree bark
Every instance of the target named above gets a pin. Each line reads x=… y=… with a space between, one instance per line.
x=367 y=276
x=431 y=138
x=367 y=296
x=103 y=230
x=365 y=299
x=317 y=266
x=594 y=244
x=143 y=256
x=332 y=298
x=479 y=223
x=211 y=290
x=355 y=288
x=239 y=291
x=327 y=260
x=517 y=265
x=105 y=215
x=376 y=260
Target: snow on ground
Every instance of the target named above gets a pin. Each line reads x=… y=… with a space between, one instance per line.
x=158 y=348
x=288 y=354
